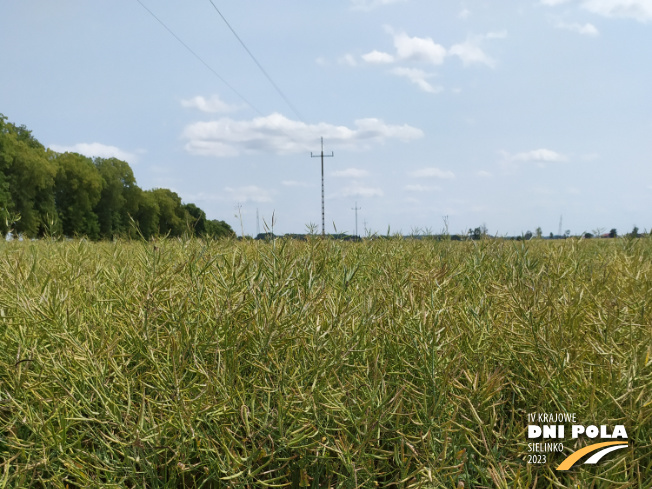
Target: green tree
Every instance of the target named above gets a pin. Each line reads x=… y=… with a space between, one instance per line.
x=195 y=219
x=219 y=229
x=146 y=214
x=171 y=215
x=6 y=204
x=119 y=196
x=78 y=189
x=27 y=182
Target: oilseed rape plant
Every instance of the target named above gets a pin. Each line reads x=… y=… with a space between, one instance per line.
x=181 y=363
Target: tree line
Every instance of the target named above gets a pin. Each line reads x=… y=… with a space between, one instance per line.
x=45 y=193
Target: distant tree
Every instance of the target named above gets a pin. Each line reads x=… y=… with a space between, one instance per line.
x=146 y=215
x=613 y=233
x=171 y=215
x=78 y=188
x=588 y=235
x=539 y=233
x=479 y=232
x=195 y=219
x=44 y=192
x=6 y=205
x=27 y=181
x=551 y=235
x=218 y=229
x=528 y=235
x=118 y=199
x=634 y=233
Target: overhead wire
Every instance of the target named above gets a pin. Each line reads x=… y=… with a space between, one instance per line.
x=210 y=68
x=227 y=84
x=269 y=78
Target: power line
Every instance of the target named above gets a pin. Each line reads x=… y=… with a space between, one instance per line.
x=210 y=68
x=276 y=87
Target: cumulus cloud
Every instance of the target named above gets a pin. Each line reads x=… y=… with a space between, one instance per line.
x=470 y=53
x=277 y=134
x=212 y=104
x=371 y=4
x=585 y=29
x=539 y=155
x=418 y=77
x=93 y=150
x=377 y=57
x=432 y=172
x=412 y=49
x=351 y=173
x=421 y=188
x=248 y=193
x=347 y=59
x=357 y=190
x=408 y=48
x=640 y=10
x=418 y=49
x=294 y=183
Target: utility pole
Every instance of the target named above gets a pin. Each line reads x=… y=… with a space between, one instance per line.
x=323 y=221
x=356 y=209
x=560 y=219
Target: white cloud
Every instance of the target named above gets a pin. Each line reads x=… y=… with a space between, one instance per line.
x=421 y=188
x=496 y=35
x=277 y=134
x=248 y=193
x=294 y=183
x=470 y=53
x=377 y=57
x=586 y=29
x=211 y=105
x=371 y=4
x=640 y=10
x=93 y=150
x=539 y=156
x=432 y=172
x=348 y=60
x=464 y=14
x=362 y=191
x=483 y=174
x=418 y=49
x=351 y=173
x=418 y=77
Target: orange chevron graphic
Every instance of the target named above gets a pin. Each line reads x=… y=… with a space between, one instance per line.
x=574 y=457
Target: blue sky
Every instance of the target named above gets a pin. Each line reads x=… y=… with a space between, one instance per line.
x=508 y=114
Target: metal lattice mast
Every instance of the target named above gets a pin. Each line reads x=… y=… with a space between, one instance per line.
x=323 y=219
x=356 y=209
